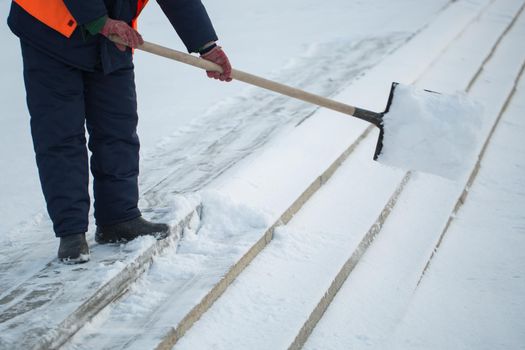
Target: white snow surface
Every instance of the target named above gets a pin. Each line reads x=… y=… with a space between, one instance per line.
x=389 y=271
x=431 y=132
x=231 y=145
x=374 y=300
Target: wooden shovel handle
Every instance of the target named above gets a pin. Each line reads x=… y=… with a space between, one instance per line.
x=249 y=78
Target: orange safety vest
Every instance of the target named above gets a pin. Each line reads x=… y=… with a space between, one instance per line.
x=56 y=15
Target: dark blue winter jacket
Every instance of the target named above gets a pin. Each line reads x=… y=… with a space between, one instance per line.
x=84 y=51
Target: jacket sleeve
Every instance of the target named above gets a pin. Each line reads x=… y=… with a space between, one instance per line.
x=86 y=11
x=191 y=21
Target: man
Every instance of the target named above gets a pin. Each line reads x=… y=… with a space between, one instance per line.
x=75 y=76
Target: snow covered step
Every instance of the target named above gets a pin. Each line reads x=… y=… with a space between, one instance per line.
x=374 y=299
x=241 y=324
x=257 y=181
x=476 y=277
x=463 y=61
x=416 y=58
x=207 y=261
x=48 y=308
x=496 y=85
x=272 y=299
x=237 y=325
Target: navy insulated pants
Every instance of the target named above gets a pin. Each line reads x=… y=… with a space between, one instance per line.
x=61 y=100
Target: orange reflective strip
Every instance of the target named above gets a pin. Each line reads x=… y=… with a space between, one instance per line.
x=140 y=6
x=52 y=13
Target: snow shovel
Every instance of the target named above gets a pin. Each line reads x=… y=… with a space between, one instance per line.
x=428 y=131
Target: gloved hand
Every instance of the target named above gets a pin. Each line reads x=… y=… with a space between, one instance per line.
x=124 y=31
x=216 y=55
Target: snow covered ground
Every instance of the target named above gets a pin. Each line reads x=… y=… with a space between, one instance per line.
x=250 y=152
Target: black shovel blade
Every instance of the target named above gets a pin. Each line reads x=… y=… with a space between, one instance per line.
x=377 y=119
x=379 y=146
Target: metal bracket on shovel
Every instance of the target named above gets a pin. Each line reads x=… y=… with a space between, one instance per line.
x=363 y=114
x=377 y=119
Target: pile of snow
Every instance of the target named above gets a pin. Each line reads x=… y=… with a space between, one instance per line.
x=431 y=132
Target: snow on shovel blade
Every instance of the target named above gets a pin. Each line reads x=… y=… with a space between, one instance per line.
x=429 y=131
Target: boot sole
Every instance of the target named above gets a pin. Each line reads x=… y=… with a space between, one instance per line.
x=83 y=258
x=158 y=236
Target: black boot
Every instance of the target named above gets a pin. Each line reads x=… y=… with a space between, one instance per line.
x=73 y=249
x=129 y=230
